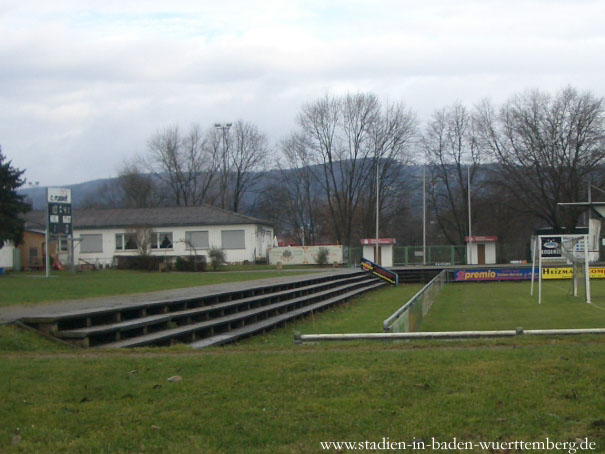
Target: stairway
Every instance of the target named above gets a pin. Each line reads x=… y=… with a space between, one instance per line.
x=203 y=321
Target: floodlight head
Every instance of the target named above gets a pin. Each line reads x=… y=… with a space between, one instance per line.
x=217 y=125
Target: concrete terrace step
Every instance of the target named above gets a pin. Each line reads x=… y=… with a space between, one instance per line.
x=208 y=328
x=119 y=326
x=235 y=334
x=88 y=317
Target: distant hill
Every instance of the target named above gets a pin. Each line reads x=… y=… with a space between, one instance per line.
x=89 y=191
x=36 y=195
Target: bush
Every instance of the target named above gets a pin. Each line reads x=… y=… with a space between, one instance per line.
x=191 y=263
x=322 y=256
x=139 y=262
x=217 y=257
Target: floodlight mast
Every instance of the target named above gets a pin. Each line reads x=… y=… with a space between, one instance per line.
x=377 y=212
x=470 y=234
x=424 y=215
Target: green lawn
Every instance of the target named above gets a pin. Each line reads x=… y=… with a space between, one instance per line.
x=363 y=314
x=23 y=288
x=290 y=399
x=507 y=305
x=267 y=395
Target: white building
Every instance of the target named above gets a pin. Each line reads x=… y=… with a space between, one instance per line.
x=102 y=234
x=385 y=250
x=481 y=250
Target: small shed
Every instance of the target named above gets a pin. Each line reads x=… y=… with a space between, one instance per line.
x=481 y=250
x=385 y=250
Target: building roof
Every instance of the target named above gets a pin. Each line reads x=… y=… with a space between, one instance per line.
x=148 y=217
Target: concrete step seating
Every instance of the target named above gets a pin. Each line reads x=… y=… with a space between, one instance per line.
x=208 y=320
x=279 y=320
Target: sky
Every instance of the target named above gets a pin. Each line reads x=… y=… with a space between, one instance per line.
x=84 y=84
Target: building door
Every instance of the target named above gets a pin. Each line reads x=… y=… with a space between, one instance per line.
x=378 y=260
x=481 y=254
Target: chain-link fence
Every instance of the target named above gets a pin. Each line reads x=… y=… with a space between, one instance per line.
x=435 y=255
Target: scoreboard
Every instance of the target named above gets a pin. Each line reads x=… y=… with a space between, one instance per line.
x=59 y=211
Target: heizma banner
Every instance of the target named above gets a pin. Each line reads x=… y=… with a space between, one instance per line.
x=567 y=273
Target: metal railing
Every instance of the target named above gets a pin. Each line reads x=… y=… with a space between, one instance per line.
x=409 y=317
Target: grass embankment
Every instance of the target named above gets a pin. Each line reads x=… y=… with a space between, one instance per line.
x=23 y=288
x=507 y=305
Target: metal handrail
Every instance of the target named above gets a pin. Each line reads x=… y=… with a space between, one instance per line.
x=386 y=324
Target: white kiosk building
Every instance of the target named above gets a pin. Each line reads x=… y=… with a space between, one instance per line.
x=481 y=250
x=385 y=250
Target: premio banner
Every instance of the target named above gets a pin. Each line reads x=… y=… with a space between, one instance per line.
x=493 y=274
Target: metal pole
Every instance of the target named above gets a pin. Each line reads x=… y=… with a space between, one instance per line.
x=46 y=239
x=377 y=212
x=540 y=270
x=470 y=233
x=424 y=215
x=533 y=266
x=586 y=269
x=71 y=252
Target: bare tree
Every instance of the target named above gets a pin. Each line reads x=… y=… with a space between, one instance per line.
x=248 y=159
x=137 y=189
x=391 y=138
x=186 y=165
x=301 y=198
x=547 y=149
x=132 y=188
x=347 y=137
x=451 y=147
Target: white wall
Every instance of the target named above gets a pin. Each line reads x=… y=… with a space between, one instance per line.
x=6 y=256
x=304 y=255
x=256 y=241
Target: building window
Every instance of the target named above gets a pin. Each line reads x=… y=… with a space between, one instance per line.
x=233 y=239
x=63 y=245
x=91 y=243
x=161 y=240
x=126 y=241
x=196 y=240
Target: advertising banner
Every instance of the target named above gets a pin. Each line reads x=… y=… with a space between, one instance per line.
x=519 y=274
x=493 y=274
x=550 y=247
x=567 y=273
x=378 y=271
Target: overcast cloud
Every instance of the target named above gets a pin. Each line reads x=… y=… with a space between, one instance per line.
x=84 y=84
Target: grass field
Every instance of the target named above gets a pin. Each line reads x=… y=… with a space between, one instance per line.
x=507 y=305
x=288 y=400
x=267 y=395
x=25 y=288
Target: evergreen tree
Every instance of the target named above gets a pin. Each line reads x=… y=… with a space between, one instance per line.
x=12 y=205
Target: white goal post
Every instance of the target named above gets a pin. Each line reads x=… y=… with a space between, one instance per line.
x=559 y=249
